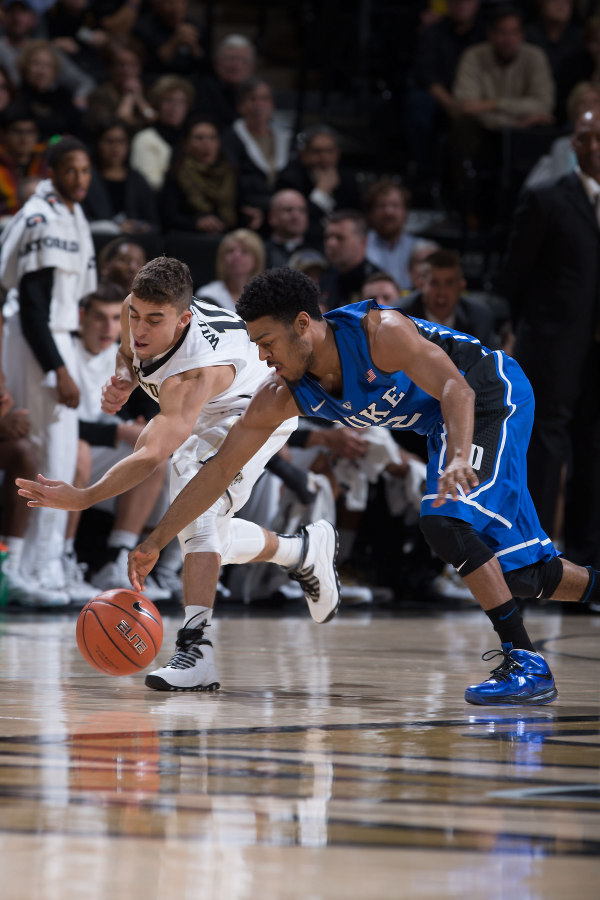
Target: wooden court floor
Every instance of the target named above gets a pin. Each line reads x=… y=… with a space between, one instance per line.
x=337 y=761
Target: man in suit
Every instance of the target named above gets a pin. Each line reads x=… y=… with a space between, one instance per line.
x=441 y=300
x=553 y=284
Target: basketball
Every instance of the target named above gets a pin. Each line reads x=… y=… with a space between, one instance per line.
x=119 y=632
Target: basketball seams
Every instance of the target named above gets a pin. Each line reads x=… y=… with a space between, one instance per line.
x=110 y=637
x=112 y=612
x=126 y=613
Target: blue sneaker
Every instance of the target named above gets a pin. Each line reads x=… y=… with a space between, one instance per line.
x=522 y=678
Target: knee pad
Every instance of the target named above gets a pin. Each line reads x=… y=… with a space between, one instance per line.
x=538 y=580
x=243 y=542
x=456 y=542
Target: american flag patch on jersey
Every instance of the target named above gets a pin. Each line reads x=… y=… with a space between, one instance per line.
x=370 y=375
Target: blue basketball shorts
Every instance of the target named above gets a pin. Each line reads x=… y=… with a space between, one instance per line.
x=500 y=508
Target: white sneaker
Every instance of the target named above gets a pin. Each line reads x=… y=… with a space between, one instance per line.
x=316 y=573
x=354 y=594
x=114 y=575
x=78 y=589
x=192 y=666
x=168 y=580
x=28 y=591
x=449 y=584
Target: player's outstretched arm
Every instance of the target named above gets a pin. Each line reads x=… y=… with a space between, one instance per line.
x=270 y=406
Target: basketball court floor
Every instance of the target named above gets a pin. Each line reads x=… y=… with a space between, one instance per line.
x=337 y=761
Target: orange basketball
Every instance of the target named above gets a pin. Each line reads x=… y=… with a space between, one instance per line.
x=119 y=632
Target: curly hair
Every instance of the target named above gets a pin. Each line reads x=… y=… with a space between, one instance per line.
x=164 y=280
x=281 y=293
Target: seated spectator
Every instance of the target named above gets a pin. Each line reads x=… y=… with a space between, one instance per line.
x=119 y=198
x=561 y=159
x=105 y=439
x=120 y=260
x=20 y=24
x=50 y=103
x=21 y=155
x=200 y=193
x=381 y=287
x=561 y=39
x=501 y=83
x=8 y=91
x=318 y=176
x=288 y=221
x=241 y=256
x=428 y=103
x=122 y=95
x=388 y=245
x=152 y=149
x=422 y=249
x=345 y=251
x=171 y=37
x=217 y=94
x=441 y=300
x=258 y=146
x=75 y=30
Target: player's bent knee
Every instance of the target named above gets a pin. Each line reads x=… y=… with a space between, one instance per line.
x=245 y=541
x=539 y=580
x=456 y=542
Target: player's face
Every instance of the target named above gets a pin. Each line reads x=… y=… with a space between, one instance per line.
x=441 y=292
x=100 y=326
x=586 y=142
x=285 y=348
x=154 y=327
x=71 y=177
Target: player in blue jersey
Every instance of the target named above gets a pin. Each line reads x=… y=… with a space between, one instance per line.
x=365 y=365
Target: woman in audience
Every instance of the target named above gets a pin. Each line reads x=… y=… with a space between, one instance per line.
x=153 y=148
x=51 y=104
x=119 y=198
x=200 y=192
x=241 y=256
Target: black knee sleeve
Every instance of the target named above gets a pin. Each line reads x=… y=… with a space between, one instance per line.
x=539 y=580
x=456 y=542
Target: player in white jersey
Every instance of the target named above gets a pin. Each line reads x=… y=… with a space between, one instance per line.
x=197 y=362
x=47 y=264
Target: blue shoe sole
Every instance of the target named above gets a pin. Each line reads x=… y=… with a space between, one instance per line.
x=539 y=699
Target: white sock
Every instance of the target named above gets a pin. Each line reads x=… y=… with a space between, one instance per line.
x=289 y=550
x=203 y=612
x=15 y=548
x=119 y=538
x=69 y=546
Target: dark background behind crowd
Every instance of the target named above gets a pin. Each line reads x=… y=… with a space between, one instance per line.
x=351 y=141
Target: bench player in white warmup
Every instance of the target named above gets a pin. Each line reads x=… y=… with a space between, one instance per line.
x=197 y=361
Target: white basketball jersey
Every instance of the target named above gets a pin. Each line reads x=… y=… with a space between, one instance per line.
x=214 y=337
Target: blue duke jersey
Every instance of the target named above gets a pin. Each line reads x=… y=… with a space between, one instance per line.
x=500 y=508
x=214 y=337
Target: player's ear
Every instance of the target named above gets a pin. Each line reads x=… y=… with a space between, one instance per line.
x=302 y=322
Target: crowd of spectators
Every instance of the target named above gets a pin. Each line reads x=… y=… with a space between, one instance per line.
x=194 y=154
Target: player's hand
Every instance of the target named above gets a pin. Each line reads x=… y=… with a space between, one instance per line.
x=55 y=494
x=68 y=392
x=6 y=401
x=142 y=560
x=458 y=473
x=115 y=394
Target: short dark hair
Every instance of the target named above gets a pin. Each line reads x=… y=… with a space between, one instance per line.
x=380 y=275
x=106 y=292
x=380 y=189
x=110 y=250
x=17 y=112
x=164 y=280
x=504 y=11
x=444 y=259
x=344 y=215
x=60 y=148
x=281 y=293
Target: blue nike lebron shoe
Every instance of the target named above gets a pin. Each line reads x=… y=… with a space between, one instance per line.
x=523 y=677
